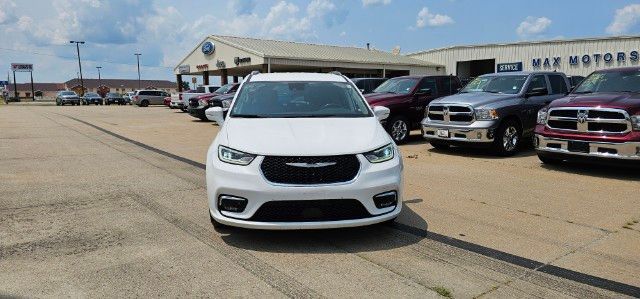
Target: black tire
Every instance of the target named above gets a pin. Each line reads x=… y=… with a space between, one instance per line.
x=57 y=103
x=216 y=224
x=546 y=159
x=144 y=103
x=61 y=103
x=508 y=138
x=439 y=145
x=399 y=128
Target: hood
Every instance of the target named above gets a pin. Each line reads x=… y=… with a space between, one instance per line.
x=475 y=99
x=620 y=100
x=304 y=136
x=223 y=97
x=70 y=97
x=378 y=98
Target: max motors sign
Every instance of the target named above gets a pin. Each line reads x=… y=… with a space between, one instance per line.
x=586 y=59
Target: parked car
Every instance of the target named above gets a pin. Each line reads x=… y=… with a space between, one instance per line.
x=144 y=98
x=302 y=151
x=367 y=85
x=575 y=81
x=67 y=97
x=114 y=98
x=223 y=96
x=177 y=102
x=92 y=98
x=494 y=110
x=186 y=96
x=407 y=98
x=127 y=96
x=598 y=121
x=167 y=101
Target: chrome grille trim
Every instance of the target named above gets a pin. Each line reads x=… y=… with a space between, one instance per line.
x=582 y=119
x=447 y=113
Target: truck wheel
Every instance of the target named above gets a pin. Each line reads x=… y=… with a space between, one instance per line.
x=144 y=103
x=57 y=103
x=507 y=138
x=439 y=145
x=398 y=128
x=549 y=160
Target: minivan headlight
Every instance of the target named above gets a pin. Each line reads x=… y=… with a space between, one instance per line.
x=226 y=104
x=635 y=122
x=486 y=114
x=542 y=116
x=382 y=154
x=232 y=156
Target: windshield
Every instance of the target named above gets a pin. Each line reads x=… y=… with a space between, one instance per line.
x=617 y=81
x=496 y=84
x=68 y=93
x=224 y=88
x=111 y=94
x=299 y=99
x=91 y=94
x=397 y=85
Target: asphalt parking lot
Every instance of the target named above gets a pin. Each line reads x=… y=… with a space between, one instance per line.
x=110 y=201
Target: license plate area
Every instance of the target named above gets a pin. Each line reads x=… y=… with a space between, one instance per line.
x=578 y=147
x=443 y=133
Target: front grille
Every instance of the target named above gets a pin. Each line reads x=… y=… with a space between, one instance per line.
x=310 y=210
x=450 y=113
x=589 y=120
x=193 y=102
x=310 y=170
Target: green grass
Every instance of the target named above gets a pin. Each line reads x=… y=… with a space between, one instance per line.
x=442 y=291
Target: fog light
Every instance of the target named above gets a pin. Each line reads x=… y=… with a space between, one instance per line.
x=536 y=141
x=231 y=203
x=479 y=135
x=490 y=134
x=385 y=200
x=638 y=151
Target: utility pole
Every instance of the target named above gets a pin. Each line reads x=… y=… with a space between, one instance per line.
x=79 y=64
x=138 y=58
x=99 y=78
x=15 y=86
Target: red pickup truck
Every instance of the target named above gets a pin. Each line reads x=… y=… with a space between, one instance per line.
x=598 y=121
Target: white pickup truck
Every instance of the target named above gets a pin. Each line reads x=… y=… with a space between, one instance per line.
x=183 y=98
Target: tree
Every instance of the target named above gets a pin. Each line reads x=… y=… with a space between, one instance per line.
x=185 y=85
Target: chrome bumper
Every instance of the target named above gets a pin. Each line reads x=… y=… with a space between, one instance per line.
x=458 y=134
x=627 y=150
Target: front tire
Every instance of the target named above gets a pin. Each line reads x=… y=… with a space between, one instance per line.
x=399 y=128
x=144 y=103
x=508 y=138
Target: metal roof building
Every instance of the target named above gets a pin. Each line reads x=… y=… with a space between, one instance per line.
x=571 y=56
x=237 y=56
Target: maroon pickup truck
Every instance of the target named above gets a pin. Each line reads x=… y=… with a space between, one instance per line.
x=407 y=98
x=598 y=121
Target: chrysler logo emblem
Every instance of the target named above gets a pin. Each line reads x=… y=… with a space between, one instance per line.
x=582 y=116
x=445 y=110
x=312 y=165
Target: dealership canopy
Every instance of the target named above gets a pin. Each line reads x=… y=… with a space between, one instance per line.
x=238 y=56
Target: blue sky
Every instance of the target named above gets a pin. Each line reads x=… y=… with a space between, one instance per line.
x=164 y=31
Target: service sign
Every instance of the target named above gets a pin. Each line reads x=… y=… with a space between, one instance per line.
x=509 y=67
x=22 y=67
x=184 y=69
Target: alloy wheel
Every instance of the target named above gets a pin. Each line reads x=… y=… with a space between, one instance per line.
x=399 y=130
x=510 y=139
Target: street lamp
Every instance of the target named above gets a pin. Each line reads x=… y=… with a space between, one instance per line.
x=99 y=78
x=138 y=58
x=79 y=64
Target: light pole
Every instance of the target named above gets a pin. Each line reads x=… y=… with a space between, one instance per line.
x=138 y=58
x=99 y=78
x=79 y=64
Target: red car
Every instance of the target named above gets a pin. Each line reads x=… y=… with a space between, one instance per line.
x=167 y=101
x=598 y=121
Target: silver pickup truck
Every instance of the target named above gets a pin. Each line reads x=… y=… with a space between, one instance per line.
x=494 y=110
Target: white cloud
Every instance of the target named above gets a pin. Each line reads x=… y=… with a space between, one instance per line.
x=425 y=17
x=242 y=7
x=7 y=12
x=343 y=33
x=532 y=26
x=375 y=2
x=624 y=19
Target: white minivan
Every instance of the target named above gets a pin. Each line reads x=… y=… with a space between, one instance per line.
x=302 y=151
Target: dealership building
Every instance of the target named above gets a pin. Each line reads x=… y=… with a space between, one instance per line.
x=228 y=56
x=575 y=57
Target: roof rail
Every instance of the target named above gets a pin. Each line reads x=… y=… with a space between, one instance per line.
x=335 y=73
x=255 y=72
x=251 y=75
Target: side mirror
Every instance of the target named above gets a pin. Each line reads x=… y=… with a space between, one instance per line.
x=538 y=91
x=424 y=91
x=215 y=114
x=381 y=112
x=362 y=90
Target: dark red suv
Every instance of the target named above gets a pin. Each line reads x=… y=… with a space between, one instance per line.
x=407 y=98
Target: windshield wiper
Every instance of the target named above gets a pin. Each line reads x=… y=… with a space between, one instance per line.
x=247 y=116
x=582 y=92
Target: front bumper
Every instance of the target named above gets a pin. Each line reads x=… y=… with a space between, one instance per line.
x=478 y=131
x=248 y=182
x=597 y=149
x=198 y=112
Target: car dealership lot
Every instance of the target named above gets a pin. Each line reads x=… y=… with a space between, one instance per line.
x=99 y=210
